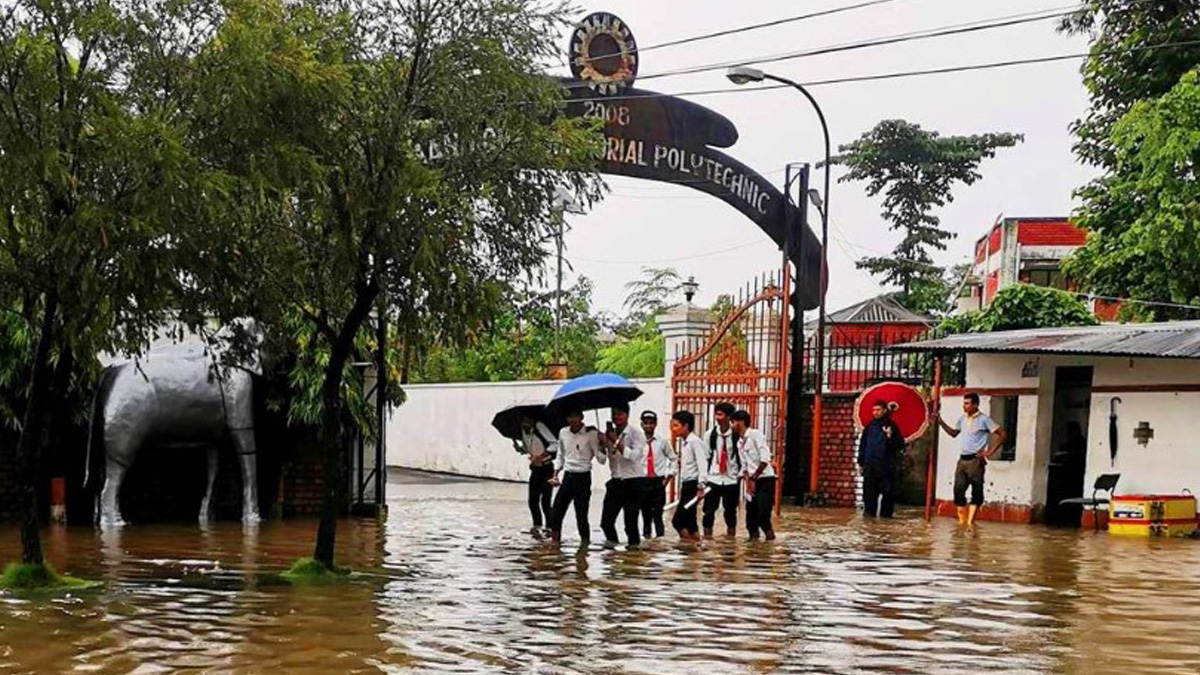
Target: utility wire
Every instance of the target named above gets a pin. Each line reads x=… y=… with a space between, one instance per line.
x=899 y=74
x=1016 y=20
x=757 y=26
x=923 y=34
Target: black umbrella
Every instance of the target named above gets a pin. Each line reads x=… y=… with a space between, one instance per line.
x=591 y=392
x=1112 y=428
x=508 y=420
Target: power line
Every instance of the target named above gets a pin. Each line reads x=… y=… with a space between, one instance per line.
x=923 y=34
x=962 y=29
x=757 y=26
x=1093 y=296
x=898 y=74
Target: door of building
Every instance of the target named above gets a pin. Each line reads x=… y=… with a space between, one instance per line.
x=1068 y=443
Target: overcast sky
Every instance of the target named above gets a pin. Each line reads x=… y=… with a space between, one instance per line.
x=647 y=223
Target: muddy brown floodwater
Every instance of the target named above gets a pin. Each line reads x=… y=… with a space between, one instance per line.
x=450 y=584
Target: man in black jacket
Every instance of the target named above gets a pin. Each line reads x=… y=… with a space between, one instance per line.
x=878 y=451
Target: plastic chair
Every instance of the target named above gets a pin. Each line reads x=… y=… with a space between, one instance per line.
x=1105 y=482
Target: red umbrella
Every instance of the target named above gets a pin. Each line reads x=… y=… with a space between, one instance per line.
x=910 y=411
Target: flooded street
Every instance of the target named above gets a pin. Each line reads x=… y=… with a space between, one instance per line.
x=452 y=584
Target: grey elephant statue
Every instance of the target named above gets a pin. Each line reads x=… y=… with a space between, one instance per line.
x=182 y=396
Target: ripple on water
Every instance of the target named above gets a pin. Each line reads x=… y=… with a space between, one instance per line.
x=451 y=585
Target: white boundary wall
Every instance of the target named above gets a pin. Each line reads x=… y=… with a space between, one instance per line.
x=448 y=427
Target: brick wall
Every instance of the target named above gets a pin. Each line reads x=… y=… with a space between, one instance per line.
x=837 y=472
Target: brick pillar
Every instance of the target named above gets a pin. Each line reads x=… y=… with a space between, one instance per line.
x=838 y=471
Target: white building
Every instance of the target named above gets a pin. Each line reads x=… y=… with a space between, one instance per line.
x=1135 y=384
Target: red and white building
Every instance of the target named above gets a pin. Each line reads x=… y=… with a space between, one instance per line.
x=1025 y=250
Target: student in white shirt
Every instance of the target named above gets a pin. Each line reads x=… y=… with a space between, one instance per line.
x=539 y=444
x=693 y=474
x=759 y=471
x=724 y=473
x=578 y=446
x=625 y=446
x=660 y=466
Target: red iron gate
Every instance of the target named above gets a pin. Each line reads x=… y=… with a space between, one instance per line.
x=743 y=359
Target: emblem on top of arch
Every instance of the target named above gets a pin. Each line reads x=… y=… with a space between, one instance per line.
x=603 y=53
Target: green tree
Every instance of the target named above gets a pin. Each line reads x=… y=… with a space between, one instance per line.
x=1023 y=306
x=91 y=176
x=1155 y=252
x=639 y=354
x=649 y=296
x=401 y=157
x=519 y=344
x=1127 y=64
x=915 y=170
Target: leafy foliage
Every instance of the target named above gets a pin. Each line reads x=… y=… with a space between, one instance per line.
x=638 y=355
x=1022 y=306
x=519 y=345
x=650 y=296
x=1153 y=251
x=915 y=170
x=1141 y=211
x=1126 y=64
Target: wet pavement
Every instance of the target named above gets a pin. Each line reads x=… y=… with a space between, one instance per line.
x=451 y=584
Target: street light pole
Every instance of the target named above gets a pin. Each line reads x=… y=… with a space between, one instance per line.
x=745 y=75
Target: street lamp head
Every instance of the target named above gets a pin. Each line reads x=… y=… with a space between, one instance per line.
x=744 y=75
x=689 y=288
x=815 y=197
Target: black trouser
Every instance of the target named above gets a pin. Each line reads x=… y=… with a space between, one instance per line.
x=969 y=472
x=654 y=499
x=760 y=509
x=576 y=490
x=879 y=484
x=725 y=496
x=622 y=495
x=540 y=491
x=684 y=519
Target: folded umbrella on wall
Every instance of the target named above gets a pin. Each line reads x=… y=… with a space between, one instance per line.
x=591 y=392
x=508 y=421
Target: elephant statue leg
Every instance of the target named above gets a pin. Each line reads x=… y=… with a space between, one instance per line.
x=206 y=505
x=243 y=443
x=110 y=507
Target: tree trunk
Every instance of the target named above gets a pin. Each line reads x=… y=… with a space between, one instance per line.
x=331 y=424
x=29 y=443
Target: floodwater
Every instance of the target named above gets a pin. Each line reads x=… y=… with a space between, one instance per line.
x=450 y=584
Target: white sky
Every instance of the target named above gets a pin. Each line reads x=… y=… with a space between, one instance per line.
x=644 y=222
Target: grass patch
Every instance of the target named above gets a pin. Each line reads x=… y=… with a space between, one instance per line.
x=307 y=571
x=24 y=577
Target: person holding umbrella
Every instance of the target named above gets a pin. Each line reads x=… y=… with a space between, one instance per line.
x=527 y=425
x=539 y=444
x=625 y=446
x=578 y=446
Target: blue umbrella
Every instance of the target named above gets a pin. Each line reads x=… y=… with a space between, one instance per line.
x=590 y=392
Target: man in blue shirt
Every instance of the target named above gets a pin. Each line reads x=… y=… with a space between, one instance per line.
x=975 y=447
x=878 y=450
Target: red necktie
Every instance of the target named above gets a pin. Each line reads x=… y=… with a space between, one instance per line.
x=724 y=466
x=650 y=461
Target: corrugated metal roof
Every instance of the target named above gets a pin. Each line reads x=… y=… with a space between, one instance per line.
x=1178 y=340
x=879 y=309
